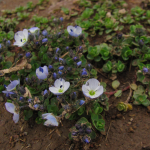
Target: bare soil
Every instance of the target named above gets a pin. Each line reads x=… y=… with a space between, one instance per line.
x=124 y=131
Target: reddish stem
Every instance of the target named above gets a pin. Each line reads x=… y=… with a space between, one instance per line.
x=112 y=93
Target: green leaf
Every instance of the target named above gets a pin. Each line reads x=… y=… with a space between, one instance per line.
x=28 y=114
x=118 y=93
x=115 y=84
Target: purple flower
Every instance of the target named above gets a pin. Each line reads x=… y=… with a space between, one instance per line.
x=81 y=102
x=45 y=40
x=61 y=19
x=54 y=75
x=44 y=32
x=79 y=63
x=45 y=92
x=28 y=55
x=145 y=70
x=61 y=68
x=57 y=50
x=50 y=67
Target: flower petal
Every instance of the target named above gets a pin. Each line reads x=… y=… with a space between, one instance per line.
x=16 y=117
x=10 y=107
x=66 y=86
x=45 y=115
x=45 y=70
x=93 y=83
x=25 y=32
x=54 y=90
x=40 y=75
x=12 y=85
x=59 y=82
x=99 y=91
x=70 y=29
x=78 y=30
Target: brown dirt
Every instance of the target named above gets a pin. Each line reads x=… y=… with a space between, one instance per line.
x=121 y=133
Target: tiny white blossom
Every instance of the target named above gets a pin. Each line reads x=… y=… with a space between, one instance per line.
x=74 y=31
x=34 y=30
x=21 y=38
x=60 y=86
x=42 y=72
x=92 y=88
x=50 y=119
x=10 y=107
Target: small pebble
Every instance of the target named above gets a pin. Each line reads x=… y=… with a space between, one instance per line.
x=148 y=109
x=129 y=122
x=131 y=130
x=119 y=116
x=131 y=119
x=1 y=99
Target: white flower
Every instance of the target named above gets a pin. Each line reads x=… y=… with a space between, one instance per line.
x=92 y=88
x=74 y=31
x=10 y=107
x=60 y=86
x=21 y=38
x=50 y=119
x=12 y=85
x=34 y=30
x=42 y=72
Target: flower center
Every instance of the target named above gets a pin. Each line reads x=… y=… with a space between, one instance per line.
x=60 y=90
x=23 y=40
x=92 y=92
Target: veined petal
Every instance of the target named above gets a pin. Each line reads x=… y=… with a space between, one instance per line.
x=10 y=107
x=25 y=32
x=66 y=86
x=45 y=70
x=99 y=91
x=45 y=115
x=93 y=83
x=59 y=82
x=85 y=88
x=78 y=30
x=70 y=29
x=54 y=90
x=12 y=85
x=16 y=117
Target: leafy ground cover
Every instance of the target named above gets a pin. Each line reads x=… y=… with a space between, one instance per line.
x=124 y=58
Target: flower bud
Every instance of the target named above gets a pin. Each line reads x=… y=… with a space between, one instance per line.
x=21 y=99
x=89 y=67
x=44 y=32
x=145 y=70
x=88 y=130
x=78 y=126
x=60 y=73
x=57 y=50
x=36 y=106
x=141 y=43
x=80 y=49
x=79 y=63
x=86 y=139
x=45 y=92
x=45 y=40
x=28 y=55
x=8 y=43
x=37 y=43
x=81 y=102
x=76 y=59
x=84 y=73
x=50 y=67
x=61 y=68
x=61 y=19
x=67 y=48
x=56 y=58
x=54 y=75
x=74 y=133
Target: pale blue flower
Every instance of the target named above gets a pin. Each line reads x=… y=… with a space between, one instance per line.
x=21 y=38
x=92 y=88
x=81 y=102
x=60 y=86
x=12 y=86
x=74 y=31
x=10 y=107
x=50 y=120
x=34 y=30
x=42 y=72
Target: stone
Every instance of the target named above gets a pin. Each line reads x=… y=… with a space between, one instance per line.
x=1 y=99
